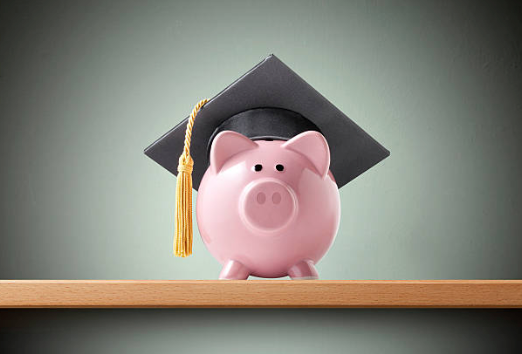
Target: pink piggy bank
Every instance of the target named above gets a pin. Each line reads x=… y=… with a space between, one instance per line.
x=268 y=208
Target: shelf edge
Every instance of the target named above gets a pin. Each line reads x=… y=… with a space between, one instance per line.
x=260 y=294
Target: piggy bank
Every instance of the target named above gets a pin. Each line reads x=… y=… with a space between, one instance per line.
x=268 y=208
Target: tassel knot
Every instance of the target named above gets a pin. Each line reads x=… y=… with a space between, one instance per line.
x=186 y=164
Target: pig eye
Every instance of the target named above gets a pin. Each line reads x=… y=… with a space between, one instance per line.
x=280 y=167
x=258 y=167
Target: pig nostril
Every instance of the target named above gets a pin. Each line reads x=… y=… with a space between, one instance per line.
x=276 y=198
x=261 y=198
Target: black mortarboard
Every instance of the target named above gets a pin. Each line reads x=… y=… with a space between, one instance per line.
x=271 y=102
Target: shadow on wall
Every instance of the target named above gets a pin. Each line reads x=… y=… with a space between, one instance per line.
x=289 y=330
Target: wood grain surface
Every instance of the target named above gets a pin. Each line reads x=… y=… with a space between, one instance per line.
x=260 y=293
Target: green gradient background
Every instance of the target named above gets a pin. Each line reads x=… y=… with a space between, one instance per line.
x=84 y=87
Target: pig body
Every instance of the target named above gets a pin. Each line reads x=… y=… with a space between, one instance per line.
x=268 y=208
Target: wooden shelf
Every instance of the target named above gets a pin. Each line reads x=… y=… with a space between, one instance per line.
x=260 y=293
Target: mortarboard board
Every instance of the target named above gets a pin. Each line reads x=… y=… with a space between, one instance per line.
x=268 y=102
x=272 y=101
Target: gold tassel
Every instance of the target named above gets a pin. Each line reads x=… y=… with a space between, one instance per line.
x=184 y=235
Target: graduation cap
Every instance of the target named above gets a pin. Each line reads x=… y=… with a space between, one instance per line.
x=268 y=102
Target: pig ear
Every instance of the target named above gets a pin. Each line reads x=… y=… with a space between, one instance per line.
x=314 y=147
x=227 y=144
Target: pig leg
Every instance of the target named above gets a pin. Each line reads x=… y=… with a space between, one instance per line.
x=234 y=270
x=304 y=270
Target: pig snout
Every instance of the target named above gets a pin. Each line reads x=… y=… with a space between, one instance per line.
x=268 y=205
